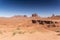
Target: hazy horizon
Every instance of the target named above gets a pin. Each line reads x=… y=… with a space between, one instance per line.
x=43 y=8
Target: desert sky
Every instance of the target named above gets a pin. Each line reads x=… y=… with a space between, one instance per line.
x=27 y=7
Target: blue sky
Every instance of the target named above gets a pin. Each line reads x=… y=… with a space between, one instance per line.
x=27 y=7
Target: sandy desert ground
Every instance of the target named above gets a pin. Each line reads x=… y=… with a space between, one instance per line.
x=23 y=28
x=30 y=36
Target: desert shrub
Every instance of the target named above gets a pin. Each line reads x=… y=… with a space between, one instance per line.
x=1 y=32
x=14 y=33
x=20 y=32
x=18 y=28
x=58 y=34
x=32 y=32
x=57 y=31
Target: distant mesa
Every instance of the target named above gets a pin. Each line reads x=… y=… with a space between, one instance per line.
x=25 y=15
x=57 y=15
x=53 y=15
x=18 y=16
x=34 y=15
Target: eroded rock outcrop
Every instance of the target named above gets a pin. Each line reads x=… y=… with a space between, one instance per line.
x=35 y=15
x=43 y=22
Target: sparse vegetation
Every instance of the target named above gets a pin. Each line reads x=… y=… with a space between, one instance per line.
x=14 y=33
x=18 y=28
x=58 y=31
x=32 y=31
x=1 y=32
x=17 y=31
x=58 y=34
x=23 y=24
x=20 y=32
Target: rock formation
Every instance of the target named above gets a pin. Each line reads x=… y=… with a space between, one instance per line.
x=34 y=15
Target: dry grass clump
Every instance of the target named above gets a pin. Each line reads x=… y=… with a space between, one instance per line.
x=1 y=32
x=32 y=31
x=58 y=34
x=18 y=31
x=14 y=33
x=58 y=31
